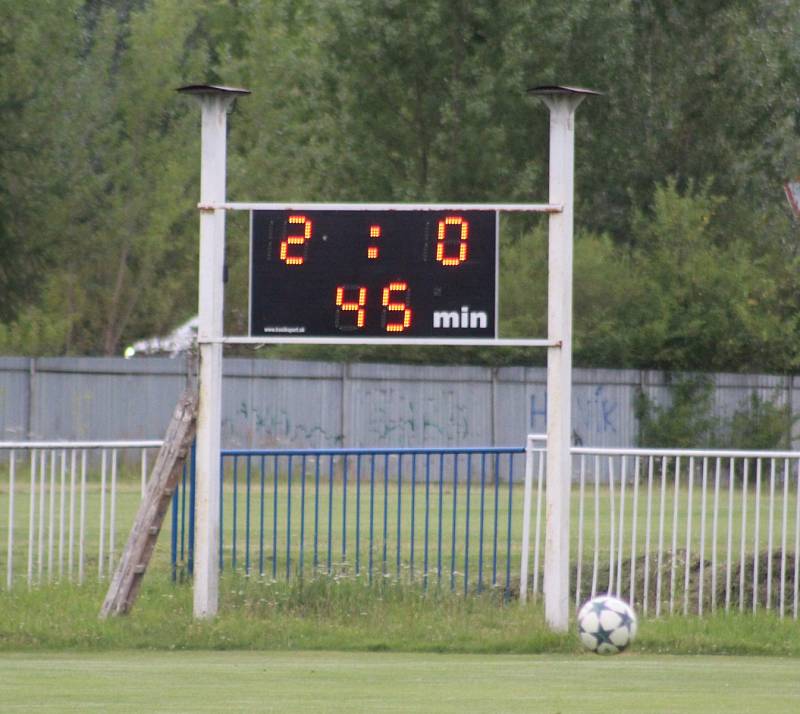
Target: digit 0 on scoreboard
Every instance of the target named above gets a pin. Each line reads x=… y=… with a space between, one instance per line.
x=374 y=273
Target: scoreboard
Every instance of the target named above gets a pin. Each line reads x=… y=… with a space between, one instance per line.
x=374 y=273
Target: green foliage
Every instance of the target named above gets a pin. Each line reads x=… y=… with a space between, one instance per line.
x=683 y=297
x=36 y=330
x=451 y=80
x=685 y=256
x=108 y=179
x=687 y=419
x=683 y=423
x=29 y=99
x=711 y=301
x=760 y=424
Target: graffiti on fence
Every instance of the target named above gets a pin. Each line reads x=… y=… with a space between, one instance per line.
x=395 y=419
x=273 y=426
x=594 y=413
x=390 y=418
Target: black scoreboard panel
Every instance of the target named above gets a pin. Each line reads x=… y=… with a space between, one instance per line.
x=376 y=273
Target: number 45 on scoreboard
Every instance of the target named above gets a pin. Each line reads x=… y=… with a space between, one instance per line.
x=374 y=273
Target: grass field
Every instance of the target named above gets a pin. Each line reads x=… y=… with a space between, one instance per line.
x=342 y=646
x=347 y=615
x=330 y=682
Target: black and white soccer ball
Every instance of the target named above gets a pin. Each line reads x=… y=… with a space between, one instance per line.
x=606 y=625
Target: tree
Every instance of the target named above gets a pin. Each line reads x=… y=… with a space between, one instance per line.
x=117 y=173
x=396 y=101
x=30 y=95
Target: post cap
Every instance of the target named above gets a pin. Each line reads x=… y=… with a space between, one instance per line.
x=551 y=89
x=212 y=89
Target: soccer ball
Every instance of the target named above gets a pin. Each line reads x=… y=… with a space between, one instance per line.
x=606 y=625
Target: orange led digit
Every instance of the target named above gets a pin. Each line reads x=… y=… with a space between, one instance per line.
x=299 y=239
x=372 y=251
x=444 y=241
x=390 y=305
x=344 y=305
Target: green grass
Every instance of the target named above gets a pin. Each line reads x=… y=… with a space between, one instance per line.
x=332 y=682
x=345 y=614
x=338 y=645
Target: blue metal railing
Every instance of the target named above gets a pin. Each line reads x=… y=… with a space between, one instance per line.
x=445 y=517
x=182 y=532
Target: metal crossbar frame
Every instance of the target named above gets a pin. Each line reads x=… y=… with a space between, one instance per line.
x=562 y=103
x=501 y=207
x=380 y=341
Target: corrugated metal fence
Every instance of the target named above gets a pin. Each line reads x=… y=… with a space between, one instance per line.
x=286 y=404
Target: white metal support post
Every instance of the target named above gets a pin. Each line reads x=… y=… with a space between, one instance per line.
x=214 y=102
x=526 y=520
x=562 y=103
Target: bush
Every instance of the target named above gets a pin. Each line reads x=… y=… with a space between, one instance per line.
x=687 y=421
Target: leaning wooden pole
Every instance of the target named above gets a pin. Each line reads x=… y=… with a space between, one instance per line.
x=127 y=580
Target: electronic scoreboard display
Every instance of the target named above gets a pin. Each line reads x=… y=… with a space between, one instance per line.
x=374 y=273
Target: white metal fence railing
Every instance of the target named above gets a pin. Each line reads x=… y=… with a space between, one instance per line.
x=60 y=501
x=672 y=531
x=679 y=531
